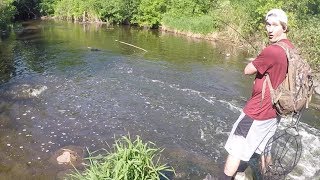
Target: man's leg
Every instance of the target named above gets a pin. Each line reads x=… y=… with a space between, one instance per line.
x=231 y=166
x=265 y=162
x=232 y=145
x=246 y=136
x=265 y=149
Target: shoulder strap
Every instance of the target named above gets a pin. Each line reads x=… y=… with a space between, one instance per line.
x=265 y=82
x=274 y=99
x=290 y=72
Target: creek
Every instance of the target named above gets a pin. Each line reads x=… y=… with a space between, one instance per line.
x=73 y=84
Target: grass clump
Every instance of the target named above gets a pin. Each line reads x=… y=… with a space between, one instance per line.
x=130 y=160
x=203 y=24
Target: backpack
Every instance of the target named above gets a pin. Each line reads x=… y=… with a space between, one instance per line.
x=295 y=92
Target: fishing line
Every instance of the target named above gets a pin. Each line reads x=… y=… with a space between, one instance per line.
x=131 y=45
x=237 y=32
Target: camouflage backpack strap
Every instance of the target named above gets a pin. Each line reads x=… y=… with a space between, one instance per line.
x=275 y=97
x=266 y=82
x=290 y=69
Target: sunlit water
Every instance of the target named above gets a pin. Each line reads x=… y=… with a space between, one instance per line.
x=182 y=94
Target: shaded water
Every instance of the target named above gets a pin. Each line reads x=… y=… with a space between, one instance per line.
x=183 y=94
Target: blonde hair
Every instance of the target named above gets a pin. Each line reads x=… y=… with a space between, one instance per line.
x=284 y=26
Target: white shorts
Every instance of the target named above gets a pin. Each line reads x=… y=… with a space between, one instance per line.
x=249 y=136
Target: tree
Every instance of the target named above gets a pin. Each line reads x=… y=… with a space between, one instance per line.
x=26 y=9
x=150 y=13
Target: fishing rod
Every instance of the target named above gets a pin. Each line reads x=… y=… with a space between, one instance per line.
x=237 y=32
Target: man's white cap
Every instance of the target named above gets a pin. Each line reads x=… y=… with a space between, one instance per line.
x=278 y=13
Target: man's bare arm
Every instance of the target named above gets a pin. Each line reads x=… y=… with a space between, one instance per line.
x=250 y=69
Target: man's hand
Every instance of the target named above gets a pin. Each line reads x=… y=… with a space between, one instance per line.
x=250 y=69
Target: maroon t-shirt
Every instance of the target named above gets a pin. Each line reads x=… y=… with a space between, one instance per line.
x=271 y=60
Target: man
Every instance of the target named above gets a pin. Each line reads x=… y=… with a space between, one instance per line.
x=258 y=121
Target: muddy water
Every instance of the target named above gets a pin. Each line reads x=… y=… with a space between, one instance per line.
x=67 y=84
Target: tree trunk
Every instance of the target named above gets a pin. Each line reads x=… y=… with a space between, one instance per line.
x=84 y=16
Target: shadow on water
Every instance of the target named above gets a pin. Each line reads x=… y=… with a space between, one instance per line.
x=67 y=84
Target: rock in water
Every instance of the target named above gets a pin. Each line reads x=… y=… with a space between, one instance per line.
x=26 y=91
x=64 y=158
x=68 y=157
x=93 y=49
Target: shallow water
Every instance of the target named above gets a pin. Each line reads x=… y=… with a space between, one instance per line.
x=182 y=94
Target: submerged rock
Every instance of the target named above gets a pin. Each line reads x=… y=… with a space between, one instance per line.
x=209 y=177
x=65 y=158
x=27 y=91
x=68 y=157
x=93 y=49
x=246 y=175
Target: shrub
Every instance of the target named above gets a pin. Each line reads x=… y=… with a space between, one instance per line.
x=150 y=13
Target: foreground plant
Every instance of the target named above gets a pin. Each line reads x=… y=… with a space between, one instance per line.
x=129 y=160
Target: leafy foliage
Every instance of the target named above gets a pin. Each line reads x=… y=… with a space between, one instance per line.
x=307 y=37
x=180 y=8
x=131 y=160
x=46 y=7
x=7 y=11
x=150 y=12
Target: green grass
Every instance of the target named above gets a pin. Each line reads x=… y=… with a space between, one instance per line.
x=204 y=24
x=130 y=160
